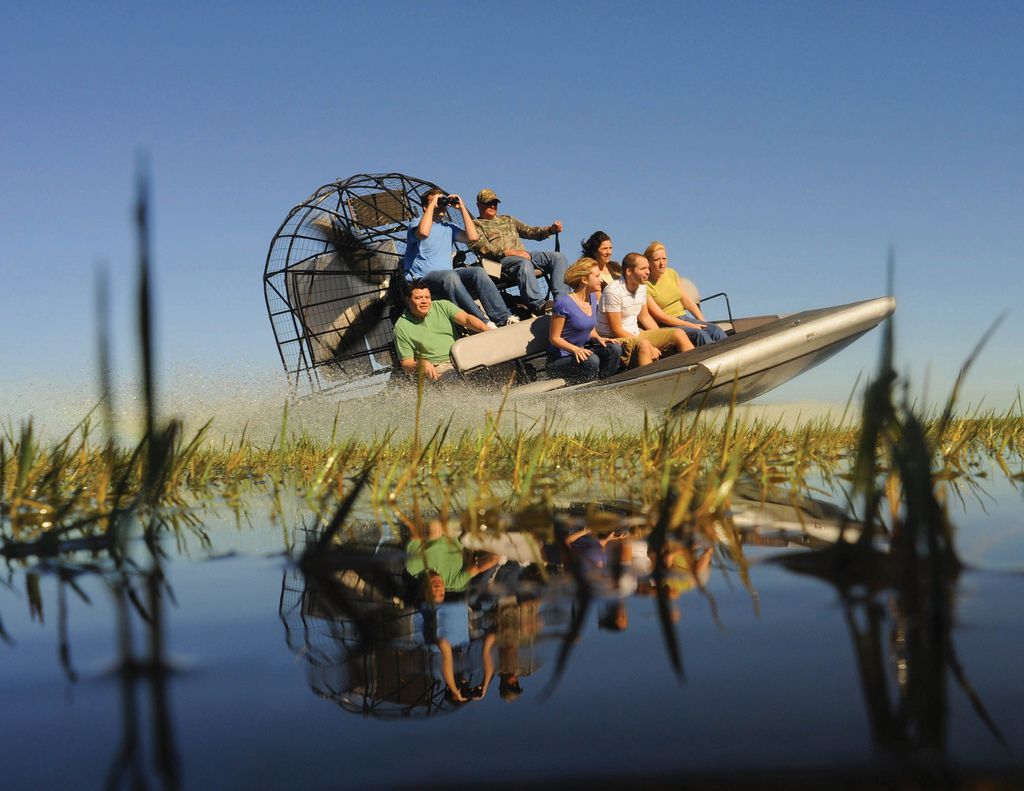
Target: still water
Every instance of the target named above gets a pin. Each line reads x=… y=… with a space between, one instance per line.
x=577 y=661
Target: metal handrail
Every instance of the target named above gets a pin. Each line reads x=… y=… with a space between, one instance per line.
x=728 y=307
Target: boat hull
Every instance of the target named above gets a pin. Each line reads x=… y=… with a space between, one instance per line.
x=746 y=365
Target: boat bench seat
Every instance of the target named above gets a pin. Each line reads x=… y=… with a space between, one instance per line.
x=493 y=269
x=488 y=350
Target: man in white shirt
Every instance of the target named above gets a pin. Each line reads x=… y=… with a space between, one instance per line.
x=622 y=314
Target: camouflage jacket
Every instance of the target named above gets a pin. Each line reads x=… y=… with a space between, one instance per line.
x=503 y=233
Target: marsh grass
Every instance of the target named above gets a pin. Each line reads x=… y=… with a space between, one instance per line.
x=79 y=486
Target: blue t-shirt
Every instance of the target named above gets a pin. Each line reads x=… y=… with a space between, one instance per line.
x=430 y=254
x=578 y=325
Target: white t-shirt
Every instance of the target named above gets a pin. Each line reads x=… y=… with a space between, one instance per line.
x=615 y=298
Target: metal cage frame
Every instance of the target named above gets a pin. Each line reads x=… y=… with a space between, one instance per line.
x=332 y=281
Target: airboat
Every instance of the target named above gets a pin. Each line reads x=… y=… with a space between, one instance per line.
x=333 y=288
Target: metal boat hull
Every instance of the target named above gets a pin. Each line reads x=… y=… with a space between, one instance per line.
x=745 y=365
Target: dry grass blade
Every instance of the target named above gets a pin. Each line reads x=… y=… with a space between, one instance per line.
x=583 y=600
x=326 y=540
x=947 y=413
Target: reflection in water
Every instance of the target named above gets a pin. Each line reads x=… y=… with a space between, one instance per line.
x=140 y=591
x=423 y=626
x=899 y=604
x=417 y=626
x=378 y=640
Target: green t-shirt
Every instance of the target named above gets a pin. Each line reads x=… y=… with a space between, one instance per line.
x=430 y=338
x=443 y=555
x=667 y=293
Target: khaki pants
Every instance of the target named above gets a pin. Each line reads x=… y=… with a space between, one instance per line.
x=663 y=339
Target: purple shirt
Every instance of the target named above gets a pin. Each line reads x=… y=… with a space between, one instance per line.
x=578 y=325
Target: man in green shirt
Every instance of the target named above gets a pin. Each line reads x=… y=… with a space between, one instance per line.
x=449 y=568
x=426 y=331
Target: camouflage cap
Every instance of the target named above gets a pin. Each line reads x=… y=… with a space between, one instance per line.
x=486 y=196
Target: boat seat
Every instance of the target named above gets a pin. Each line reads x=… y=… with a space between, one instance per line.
x=690 y=288
x=540 y=386
x=503 y=345
x=693 y=293
x=493 y=268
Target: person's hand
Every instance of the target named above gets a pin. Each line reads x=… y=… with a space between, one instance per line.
x=581 y=353
x=455 y=696
x=455 y=200
x=556 y=226
x=655 y=353
x=430 y=371
x=603 y=341
x=518 y=253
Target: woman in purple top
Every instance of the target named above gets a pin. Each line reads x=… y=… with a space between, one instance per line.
x=576 y=352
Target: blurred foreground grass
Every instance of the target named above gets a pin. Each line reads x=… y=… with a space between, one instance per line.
x=74 y=486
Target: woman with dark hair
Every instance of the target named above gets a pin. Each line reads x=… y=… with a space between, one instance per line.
x=598 y=246
x=576 y=352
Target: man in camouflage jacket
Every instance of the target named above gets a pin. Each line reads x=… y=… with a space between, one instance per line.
x=500 y=238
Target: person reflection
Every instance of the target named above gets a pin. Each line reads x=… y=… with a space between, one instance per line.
x=685 y=569
x=446 y=570
x=514 y=624
x=454 y=567
x=446 y=626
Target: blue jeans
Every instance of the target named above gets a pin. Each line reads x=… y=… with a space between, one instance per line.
x=604 y=361
x=533 y=290
x=457 y=285
x=553 y=265
x=712 y=333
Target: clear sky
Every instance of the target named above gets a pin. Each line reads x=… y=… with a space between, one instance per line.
x=777 y=149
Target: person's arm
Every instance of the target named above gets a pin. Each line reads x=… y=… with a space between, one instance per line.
x=614 y=320
x=556 y=339
x=488 y=652
x=661 y=317
x=488 y=561
x=407 y=352
x=645 y=320
x=412 y=365
x=665 y=320
x=448 y=669
x=537 y=233
x=611 y=309
x=469 y=321
x=483 y=246
x=691 y=306
x=427 y=220
x=470 y=234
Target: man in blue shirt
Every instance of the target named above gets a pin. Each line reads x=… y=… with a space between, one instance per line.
x=428 y=257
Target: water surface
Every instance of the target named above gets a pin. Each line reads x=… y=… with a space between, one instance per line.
x=780 y=674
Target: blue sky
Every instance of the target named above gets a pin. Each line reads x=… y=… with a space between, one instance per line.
x=777 y=149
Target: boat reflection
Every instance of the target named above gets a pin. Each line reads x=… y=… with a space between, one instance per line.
x=378 y=641
x=420 y=626
x=426 y=626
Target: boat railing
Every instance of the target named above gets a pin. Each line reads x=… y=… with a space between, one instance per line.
x=728 y=307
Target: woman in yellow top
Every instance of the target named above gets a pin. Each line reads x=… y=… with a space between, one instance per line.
x=670 y=305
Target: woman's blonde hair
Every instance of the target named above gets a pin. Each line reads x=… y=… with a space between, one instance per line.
x=578 y=272
x=652 y=248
